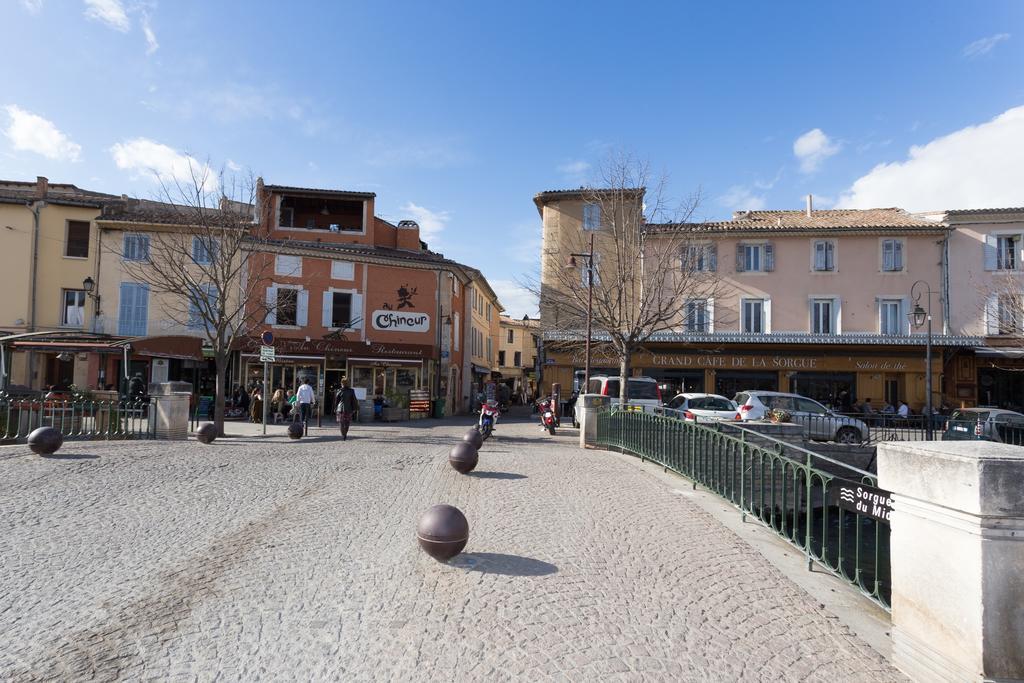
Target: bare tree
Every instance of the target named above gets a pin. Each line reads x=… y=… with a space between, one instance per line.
x=652 y=271
x=198 y=260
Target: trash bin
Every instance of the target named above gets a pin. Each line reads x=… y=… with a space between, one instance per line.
x=438 y=411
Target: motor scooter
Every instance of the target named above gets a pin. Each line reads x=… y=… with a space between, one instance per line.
x=548 y=416
x=489 y=413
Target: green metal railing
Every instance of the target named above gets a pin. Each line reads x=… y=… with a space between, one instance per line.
x=783 y=486
x=124 y=419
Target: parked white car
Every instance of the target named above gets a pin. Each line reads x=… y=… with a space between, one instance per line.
x=819 y=423
x=704 y=407
x=642 y=391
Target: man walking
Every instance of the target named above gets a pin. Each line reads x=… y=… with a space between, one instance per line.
x=348 y=405
x=305 y=397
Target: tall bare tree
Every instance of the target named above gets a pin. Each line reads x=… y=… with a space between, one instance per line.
x=651 y=267
x=204 y=228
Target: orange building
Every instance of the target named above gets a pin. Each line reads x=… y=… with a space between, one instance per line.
x=351 y=295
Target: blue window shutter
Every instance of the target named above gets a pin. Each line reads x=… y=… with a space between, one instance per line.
x=125 y=307
x=769 y=257
x=141 y=309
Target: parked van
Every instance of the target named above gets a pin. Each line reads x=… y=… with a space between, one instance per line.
x=642 y=391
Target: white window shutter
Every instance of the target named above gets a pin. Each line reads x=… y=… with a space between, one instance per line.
x=739 y=258
x=992 y=315
x=356 y=313
x=769 y=257
x=1019 y=262
x=271 y=318
x=837 y=315
x=767 y=322
x=711 y=316
x=328 y=309
x=990 y=252
x=898 y=255
x=302 y=312
x=713 y=258
x=455 y=331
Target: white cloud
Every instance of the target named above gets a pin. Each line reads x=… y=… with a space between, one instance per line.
x=33 y=133
x=984 y=45
x=577 y=167
x=151 y=44
x=517 y=300
x=32 y=6
x=740 y=198
x=147 y=157
x=232 y=166
x=431 y=222
x=974 y=167
x=812 y=148
x=110 y=12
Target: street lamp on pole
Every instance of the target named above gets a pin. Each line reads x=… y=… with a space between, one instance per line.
x=571 y=263
x=918 y=317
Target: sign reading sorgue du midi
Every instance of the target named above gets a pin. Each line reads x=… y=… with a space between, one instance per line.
x=867 y=500
x=400 y=321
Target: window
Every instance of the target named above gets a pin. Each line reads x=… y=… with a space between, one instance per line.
x=290 y=266
x=341 y=309
x=890 y=316
x=204 y=249
x=805 y=405
x=341 y=270
x=287 y=217
x=77 y=245
x=73 y=308
x=591 y=217
x=136 y=247
x=511 y=336
x=697 y=318
x=1008 y=311
x=455 y=330
x=517 y=359
x=753 y=316
x=700 y=258
x=755 y=258
x=133 y=310
x=823 y=316
x=1006 y=252
x=595 y=271
x=501 y=358
x=892 y=255
x=287 y=307
x=195 y=313
x=488 y=312
x=490 y=351
x=824 y=256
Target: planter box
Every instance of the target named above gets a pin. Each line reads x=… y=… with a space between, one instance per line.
x=396 y=414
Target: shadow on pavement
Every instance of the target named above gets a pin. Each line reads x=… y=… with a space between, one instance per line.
x=71 y=456
x=499 y=563
x=496 y=475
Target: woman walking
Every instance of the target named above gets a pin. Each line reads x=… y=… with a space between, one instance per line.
x=277 y=404
x=348 y=405
x=256 y=406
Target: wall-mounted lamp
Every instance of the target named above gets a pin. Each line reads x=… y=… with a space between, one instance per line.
x=88 y=284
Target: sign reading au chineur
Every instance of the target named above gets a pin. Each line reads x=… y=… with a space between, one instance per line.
x=400 y=321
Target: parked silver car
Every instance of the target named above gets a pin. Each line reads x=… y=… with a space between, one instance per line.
x=820 y=423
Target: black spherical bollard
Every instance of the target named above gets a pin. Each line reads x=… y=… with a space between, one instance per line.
x=474 y=437
x=45 y=441
x=463 y=457
x=442 y=532
x=207 y=433
x=295 y=430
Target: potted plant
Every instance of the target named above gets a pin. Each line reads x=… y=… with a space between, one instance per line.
x=777 y=415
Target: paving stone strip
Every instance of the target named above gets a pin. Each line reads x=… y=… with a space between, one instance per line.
x=273 y=559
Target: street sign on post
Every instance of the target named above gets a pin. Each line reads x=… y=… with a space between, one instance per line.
x=268 y=338
x=267 y=354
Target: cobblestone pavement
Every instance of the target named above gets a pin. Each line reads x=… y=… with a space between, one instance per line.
x=275 y=559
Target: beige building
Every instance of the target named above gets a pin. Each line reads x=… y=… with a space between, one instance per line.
x=47 y=262
x=517 y=353
x=483 y=312
x=812 y=301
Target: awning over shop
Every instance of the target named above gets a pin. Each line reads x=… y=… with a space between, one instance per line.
x=477 y=370
x=178 y=346
x=998 y=352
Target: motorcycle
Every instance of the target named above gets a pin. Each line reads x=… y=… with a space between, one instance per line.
x=548 y=417
x=489 y=414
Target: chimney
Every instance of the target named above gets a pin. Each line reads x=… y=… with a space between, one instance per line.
x=810 y=205
x=42 y=187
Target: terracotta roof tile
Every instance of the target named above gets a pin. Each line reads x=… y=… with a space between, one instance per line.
x=819 y=221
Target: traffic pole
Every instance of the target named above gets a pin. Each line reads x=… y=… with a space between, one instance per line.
x=266 y=401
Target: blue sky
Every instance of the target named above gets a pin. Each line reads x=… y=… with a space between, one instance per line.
x=456 y=114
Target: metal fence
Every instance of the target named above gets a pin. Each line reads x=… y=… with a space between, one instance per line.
x=792 y=496
x=122 y=419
